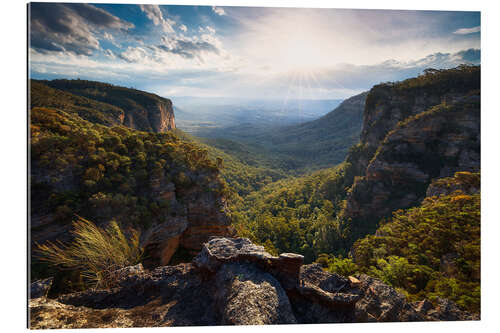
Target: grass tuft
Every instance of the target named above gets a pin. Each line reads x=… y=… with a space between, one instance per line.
x=95 y=252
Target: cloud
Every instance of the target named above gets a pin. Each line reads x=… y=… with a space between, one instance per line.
x=153 y=12
x=208 y=29
x=183 y=27
x=134 y=54
x=332 y=36
x=465 y=31
x=109 y=37
x=74 y=28
x=470 y=56
x=109 y=54
x=188 y=47
x=152 y=69
x=218 y=10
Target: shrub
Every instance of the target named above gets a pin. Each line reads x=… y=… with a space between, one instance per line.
x=95 y=252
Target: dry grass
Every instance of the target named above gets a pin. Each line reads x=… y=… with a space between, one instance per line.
x=95 y=252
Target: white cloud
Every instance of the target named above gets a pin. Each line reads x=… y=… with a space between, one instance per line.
x=208 y=29
x=465 y=31
x=109 y=37
x=286 y=38
x=183 y=27
x=109 y=54
x=134 y=54
x=153 y=12
x=218 y=10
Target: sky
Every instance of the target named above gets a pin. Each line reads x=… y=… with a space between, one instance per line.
x=250 y=52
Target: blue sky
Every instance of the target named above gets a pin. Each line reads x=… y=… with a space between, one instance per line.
x=245 y=51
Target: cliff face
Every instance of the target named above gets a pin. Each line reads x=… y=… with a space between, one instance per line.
x=232 y=282
x=156 y=115
x=140 y=110
x=413 y=132
x=198 y=214
x=389 y=103
x=435 y=144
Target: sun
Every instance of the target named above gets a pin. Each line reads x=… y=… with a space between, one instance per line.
x=299 y=53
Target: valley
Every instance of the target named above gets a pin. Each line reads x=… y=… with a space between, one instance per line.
x=384 y=183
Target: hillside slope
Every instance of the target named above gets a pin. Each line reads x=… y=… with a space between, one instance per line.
x=89 y=109
x=431 y=250
x=324 y=141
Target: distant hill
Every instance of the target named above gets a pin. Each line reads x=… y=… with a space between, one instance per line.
x=205 y=116
x=139 y=110
x=316 y=144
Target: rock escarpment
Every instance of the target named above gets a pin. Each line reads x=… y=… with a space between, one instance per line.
x=139 y=110
x=465 y=182
x=435 y=144
x=413 y=131
x=191 y=216
x=234 y=282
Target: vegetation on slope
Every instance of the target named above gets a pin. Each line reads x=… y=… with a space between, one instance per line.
x=429 y=251
x=243 y=171
x=42 y=95
x=296 y=214
x=111 y=167
x=126 y=98
x=140 y=109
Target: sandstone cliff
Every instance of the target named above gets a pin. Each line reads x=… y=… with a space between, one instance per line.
x=413 y=132
x=139 y=110
x=233 y=282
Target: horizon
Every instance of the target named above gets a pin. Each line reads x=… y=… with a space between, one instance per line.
x=180 y=51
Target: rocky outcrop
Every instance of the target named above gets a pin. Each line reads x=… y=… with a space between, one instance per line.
x=436 y=143
x=169 y=190
x=234 y=282
x=389 y=103
x=465 y=182
x=382 y=303
x=193 y=216
x=203 y=215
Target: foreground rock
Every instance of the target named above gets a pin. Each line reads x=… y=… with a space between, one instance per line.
x=234 y=282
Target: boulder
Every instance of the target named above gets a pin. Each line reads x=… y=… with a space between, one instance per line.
x=40 y=288
x=218 y=251
x=250 y=296
x=379 y=302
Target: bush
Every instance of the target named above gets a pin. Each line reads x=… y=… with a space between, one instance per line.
x=95 y=252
